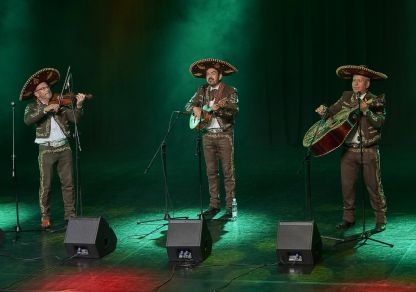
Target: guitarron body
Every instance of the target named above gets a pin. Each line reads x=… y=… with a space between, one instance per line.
x=327 y=135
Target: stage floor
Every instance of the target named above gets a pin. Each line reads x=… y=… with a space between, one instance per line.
x=243 y=256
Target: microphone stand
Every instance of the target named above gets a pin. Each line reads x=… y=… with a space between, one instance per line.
x=307 y=164
x=307 y=168
x=198 y=153
x=78 y=190
x=17 y=228
x=162 y=150
x=308 y=192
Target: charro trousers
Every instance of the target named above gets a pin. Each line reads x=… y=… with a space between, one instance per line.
x=350 y=168
x=48 y=158
x=219 y=148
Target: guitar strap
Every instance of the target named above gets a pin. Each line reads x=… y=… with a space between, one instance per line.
x=219 y=93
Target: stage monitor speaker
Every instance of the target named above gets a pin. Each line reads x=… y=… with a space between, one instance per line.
x=188 y=240
x=298 y=242
x=88 y=237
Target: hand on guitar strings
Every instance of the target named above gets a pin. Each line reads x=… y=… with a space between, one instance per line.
x=197 y=111
x=215 y=107
x=321 y=110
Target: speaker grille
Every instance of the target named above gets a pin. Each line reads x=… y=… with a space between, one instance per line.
x=184 y=233
x=295 y=235
x=86 y=230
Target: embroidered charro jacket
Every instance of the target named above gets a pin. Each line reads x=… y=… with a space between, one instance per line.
x=34 y=115
x=372 y=121
x=228 y=102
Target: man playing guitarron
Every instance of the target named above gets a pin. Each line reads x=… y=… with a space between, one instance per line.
x=221 y=101
x=371 y=115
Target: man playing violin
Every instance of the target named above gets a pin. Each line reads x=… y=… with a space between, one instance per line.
x=52 y=132
x=218 y=139
x=371 y=115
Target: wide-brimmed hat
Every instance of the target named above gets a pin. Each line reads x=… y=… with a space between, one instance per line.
x=198 y=69
x=48 y=75
x=348 y=71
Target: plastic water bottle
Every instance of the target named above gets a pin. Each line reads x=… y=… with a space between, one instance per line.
x=234 y=211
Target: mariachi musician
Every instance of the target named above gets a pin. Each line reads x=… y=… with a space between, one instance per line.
x=52 y=118
x=371 y=116
x=215 y=105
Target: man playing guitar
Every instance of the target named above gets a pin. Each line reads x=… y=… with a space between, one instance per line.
x=220 y=101
x=370 y=115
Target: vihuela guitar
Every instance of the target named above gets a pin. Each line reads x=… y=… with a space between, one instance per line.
x=206 y=116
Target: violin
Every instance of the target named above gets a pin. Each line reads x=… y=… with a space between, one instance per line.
x=66 y=99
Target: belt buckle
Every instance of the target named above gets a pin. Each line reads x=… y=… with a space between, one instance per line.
x=56 y=143
x=215 y=131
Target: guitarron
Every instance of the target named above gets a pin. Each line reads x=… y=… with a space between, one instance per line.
x=327 y=135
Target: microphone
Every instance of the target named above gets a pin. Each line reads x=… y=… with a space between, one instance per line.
x=357 y=113
x=326 y=113
x=13 y=104
x=182 y=113
x=67 y=85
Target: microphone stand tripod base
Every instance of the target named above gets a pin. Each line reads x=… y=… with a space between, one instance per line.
x=363 y=236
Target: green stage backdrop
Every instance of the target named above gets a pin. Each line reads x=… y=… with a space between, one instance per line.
x=134 y=55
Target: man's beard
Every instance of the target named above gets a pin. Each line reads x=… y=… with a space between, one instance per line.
x=211 y=81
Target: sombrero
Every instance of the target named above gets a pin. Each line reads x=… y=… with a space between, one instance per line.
x=199 y=68
x=48 y=75
x=348 y=71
